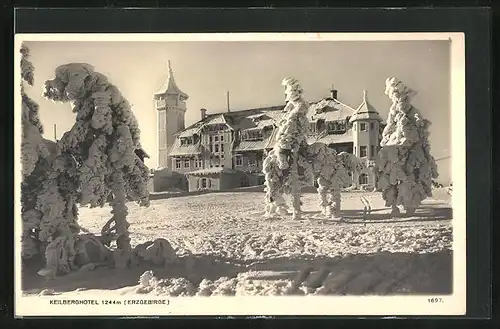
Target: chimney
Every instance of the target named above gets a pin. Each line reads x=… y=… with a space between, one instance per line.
x=333 y=93
x=203 y=113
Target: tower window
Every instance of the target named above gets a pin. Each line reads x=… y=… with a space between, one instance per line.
x=221 y=138
x=177 y=163
x=362 y=126
x=222 y=148
x=362 y=151
x=216 y=138
x=216 y=148
x=186 y=163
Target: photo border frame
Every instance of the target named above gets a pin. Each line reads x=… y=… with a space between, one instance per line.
x=474 y=22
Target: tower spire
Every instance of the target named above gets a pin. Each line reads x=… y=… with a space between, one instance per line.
x=170 y=87
x=365 y=93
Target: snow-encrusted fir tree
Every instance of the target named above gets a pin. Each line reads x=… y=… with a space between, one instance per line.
x=404 y=165
x=35 y=161
x=96 y=163
x=331 y=171
x=286 y=162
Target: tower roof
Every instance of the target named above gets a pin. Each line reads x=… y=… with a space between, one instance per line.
x=170 y=87
x=365 y=111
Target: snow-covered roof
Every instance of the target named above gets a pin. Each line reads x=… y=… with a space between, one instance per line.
x=189 y=132
x=250 y=145
x=329 y=109
x=170 y=87
x=332 y=138
x=213 y=170
x=365 y=111
x=189 y=149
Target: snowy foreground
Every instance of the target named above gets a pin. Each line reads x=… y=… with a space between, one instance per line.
x=226 y=247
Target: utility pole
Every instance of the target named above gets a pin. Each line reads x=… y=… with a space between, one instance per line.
x=55 y=132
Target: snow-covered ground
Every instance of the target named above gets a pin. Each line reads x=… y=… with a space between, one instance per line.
x=226 y=247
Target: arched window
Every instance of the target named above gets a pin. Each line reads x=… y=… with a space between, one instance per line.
x=363 y=179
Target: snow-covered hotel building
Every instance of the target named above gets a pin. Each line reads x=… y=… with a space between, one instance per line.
x=226 y=150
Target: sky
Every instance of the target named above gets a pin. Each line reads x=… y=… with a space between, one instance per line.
x=252 y=72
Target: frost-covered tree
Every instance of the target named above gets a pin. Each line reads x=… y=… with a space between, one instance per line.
x=95 y=163
x=331 y=172
x=286 y=162
x=35 y=161
x=404 y=165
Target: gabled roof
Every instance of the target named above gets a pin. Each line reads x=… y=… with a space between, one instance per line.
x=329 y=109
x=177 y=149
x=365 y=111
x=170 y=87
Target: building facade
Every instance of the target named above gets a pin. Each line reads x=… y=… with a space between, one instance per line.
x=227 y=150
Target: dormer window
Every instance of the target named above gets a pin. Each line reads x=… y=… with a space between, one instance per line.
x=336 y=127
x=252 y=135
x=320 y=125
x=186 y=141
x=363 y=126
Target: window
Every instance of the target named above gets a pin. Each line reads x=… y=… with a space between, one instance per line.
x=372 y=126
x=211 y=147
x=221 y=148
x=216 y=138
x=252 y=162
x=198 y=163
x=363 y=179
x=216 y=148
x=210 y=139
x=186 y=163
x=252 y=135
x=177 y=163
x=239 y=161
x=336 y=127
x=362 y=151
x=221 y=138
x=362 y=126
x=222 y=155
x=203 y=183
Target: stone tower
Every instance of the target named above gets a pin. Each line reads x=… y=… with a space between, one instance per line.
x=170 y=104
x=366 y=137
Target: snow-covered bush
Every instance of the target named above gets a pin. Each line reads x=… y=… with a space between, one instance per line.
x=405 y=167
x=96 y=159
